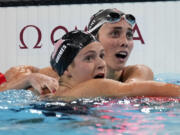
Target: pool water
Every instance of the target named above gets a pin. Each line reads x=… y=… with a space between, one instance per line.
x=22 y=113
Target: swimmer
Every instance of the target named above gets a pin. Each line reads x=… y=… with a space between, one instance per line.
x=78 y=59
x=114 y=29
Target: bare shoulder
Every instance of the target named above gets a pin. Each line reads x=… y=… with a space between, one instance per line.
x=138 y=67
x=137 y=73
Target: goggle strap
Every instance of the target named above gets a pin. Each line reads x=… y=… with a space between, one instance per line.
x=97 y=26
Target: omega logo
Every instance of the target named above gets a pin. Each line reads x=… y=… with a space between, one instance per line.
x=39 y=35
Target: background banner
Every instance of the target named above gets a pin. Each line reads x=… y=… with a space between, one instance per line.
x=27 y=33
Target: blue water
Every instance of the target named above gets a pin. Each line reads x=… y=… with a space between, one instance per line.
x=23 y=113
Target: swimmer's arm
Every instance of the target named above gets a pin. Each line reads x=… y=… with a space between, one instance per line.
x=18 y=71
x=137 y=73
x=110 y=88
x=24 y=77
x=15 y=77
x=37 y=82
x=16 y=83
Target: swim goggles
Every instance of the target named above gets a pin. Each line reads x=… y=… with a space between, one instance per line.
x=114 y=17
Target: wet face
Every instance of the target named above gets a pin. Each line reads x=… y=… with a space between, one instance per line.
x=117 y=40
x=89 y=63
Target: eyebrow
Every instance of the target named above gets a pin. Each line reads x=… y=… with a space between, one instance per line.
x=90 y=51
x=120 y=28
x=117 y=27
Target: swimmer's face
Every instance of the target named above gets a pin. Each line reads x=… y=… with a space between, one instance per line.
x=89 y=63
x=117 y=40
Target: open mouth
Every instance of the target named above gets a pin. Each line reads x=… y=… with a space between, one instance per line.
x=121 y=54
x=99 y=76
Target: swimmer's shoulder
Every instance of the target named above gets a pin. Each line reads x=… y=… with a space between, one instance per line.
x=136 y=73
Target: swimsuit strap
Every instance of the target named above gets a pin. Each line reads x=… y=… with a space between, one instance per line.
x=2 y=78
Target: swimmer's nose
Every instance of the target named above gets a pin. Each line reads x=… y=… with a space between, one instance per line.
x=123 y=41
x=101 y=64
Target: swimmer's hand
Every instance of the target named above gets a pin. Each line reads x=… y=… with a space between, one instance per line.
x=41 y=83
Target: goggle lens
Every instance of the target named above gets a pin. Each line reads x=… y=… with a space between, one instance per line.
x=130 y=18
x=115 y=17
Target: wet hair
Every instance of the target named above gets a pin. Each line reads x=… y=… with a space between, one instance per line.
x=67 y=48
